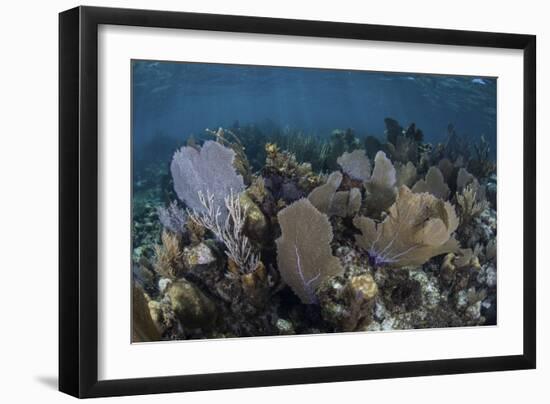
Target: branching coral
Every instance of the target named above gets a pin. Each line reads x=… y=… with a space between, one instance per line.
x=463 y=178
x=447 y=168
x=455 y=147
x=418 y=227
x=482 y=165
x=168 y=256
x=471 y=202
x=402 y=144
x=403 y=150
x=173 y=218
x=304 y=256
x=229 y=231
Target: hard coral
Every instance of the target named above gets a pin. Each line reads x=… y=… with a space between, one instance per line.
x=230 y=231
x=418 y=227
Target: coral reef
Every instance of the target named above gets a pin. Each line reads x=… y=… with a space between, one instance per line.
x=259 y=230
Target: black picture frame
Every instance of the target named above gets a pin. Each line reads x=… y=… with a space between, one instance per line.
x=78 y=201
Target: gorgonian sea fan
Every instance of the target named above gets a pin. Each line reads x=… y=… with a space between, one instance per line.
x=208 y=171
x=355 y=164
x=304 y=256
x=417 y=228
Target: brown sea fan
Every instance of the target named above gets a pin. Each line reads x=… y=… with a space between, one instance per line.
x=304 y=256
x=417 y=228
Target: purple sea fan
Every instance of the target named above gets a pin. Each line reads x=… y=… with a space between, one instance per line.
x=173 y=218
x=208 y=171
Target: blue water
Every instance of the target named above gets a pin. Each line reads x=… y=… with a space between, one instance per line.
x=175 y=100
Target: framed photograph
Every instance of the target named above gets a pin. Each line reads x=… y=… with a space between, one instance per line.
x=251 y=201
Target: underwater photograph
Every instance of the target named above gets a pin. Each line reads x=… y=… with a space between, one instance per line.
x=272 y=201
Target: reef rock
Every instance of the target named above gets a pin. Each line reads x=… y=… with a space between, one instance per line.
x=192 y=308
x=255 y=225
x=199 y=257
x=143 y=326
